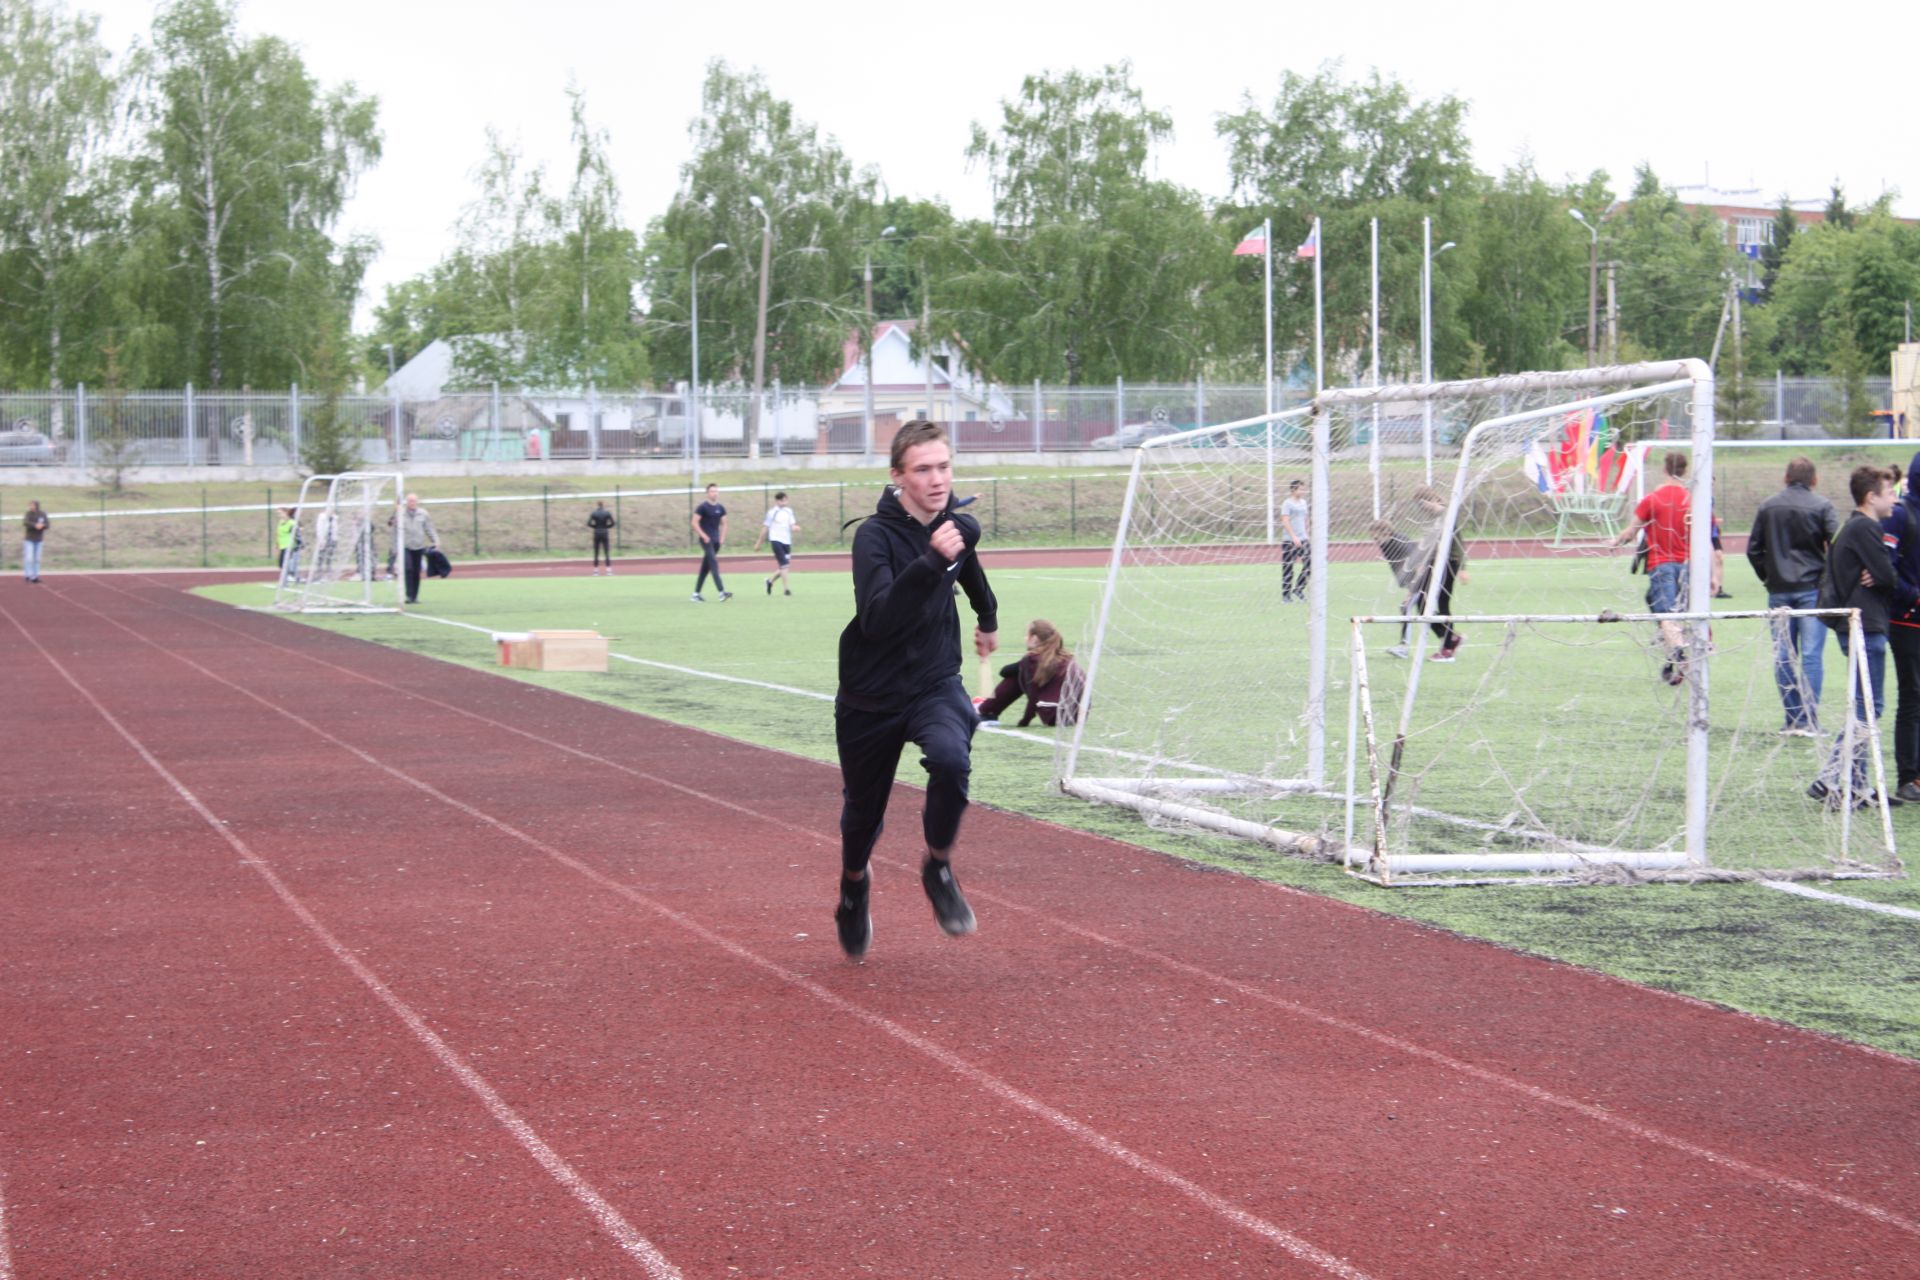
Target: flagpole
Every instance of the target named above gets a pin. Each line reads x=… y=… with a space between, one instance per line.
x=1373 y=447
x=1426 y=340
x=1319 y=332
x=1266 y=253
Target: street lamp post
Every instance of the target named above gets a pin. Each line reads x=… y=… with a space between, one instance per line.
x=1593 y=284
x=867 y=377
x=1427 y=254
x=693 y=401
x=760 y=327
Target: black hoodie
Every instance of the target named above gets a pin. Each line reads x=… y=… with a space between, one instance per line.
x=905 y=634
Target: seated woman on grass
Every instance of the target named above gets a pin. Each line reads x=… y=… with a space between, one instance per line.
x=1046 y=676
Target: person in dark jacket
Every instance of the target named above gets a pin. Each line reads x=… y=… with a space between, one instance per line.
x=1860 y=575
x=601 y=521
x=1903 y=634
x=1792 y=533
x=900 y=675
x=1045 y=675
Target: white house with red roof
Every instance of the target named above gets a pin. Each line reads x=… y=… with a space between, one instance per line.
x=902 y=382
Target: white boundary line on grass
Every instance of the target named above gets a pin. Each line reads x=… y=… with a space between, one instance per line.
x=631 y=1242
x=1859 y=904
x=715 y=675
x=1602 y=1115
x=1295 y=1245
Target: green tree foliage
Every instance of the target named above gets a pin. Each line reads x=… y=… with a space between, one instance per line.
x=1090 y=270
x=328 y=443
x=61 y=218
x=749 y=144
x=1839 y=304
x=1526 y=301
x=1672 y=274
x=539 y=290
x=1786 y=223
x=1350 y=152
x=247 y=166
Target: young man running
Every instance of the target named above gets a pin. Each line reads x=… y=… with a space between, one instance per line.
x=777 y=532
x=900 y=675
x=710 y=526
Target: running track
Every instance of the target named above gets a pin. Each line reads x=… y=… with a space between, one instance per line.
x=321 y=959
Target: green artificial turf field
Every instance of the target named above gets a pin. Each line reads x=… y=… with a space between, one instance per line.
x=761 y=670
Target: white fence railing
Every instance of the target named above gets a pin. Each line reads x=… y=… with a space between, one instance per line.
x=85 y=428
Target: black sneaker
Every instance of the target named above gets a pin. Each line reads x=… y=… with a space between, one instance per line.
x=769 y=586
x=852 y=919
x=726 y=596
x=943 y=891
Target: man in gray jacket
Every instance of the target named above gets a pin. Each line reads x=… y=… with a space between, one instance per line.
x=417 y=537
x=1788 y=550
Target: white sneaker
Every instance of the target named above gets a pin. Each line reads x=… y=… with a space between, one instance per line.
x=1397 y=651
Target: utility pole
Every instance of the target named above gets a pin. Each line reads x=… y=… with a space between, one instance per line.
x=1613 y=319
x=760 y=328
x=1593 y=284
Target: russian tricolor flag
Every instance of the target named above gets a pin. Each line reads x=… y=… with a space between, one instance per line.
x=1310 y=247
x=1254 y=242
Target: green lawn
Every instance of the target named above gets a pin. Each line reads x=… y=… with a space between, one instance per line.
x=1819 y=965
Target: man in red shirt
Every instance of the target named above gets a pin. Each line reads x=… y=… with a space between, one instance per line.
x=1666 y=516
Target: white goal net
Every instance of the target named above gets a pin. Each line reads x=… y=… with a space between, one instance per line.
x=1563 y=753
x=1219 y=693
x=343 y=558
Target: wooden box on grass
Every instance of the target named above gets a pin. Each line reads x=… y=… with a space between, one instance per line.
x=553 y=650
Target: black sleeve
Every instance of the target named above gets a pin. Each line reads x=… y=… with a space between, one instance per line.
x=973 y=578
x=1757 y=545
x=887 y=603
x=1873 y=555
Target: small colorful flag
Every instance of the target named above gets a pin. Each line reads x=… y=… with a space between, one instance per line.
x=1310 y=247
x=1255 y=242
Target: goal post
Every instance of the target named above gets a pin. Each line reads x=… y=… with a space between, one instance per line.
x=1209 y=663
x=1560 y=761
x=346 y=532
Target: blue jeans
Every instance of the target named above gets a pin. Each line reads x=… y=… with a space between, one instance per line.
x=30 y=559
x=1804 y=639
x=1876 y=656
x=1667 y=588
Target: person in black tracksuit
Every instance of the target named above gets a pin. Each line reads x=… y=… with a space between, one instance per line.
x=900 y=675
x=1903 y=635
x=1860 y=575
x=602 y=522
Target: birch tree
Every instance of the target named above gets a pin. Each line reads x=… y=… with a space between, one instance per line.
x=58 y=99
x=251 y=162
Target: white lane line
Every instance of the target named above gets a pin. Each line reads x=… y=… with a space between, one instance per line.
x=1600 y=1115
x=1295 y=1245
x=1861 y=904
x=635 y=1245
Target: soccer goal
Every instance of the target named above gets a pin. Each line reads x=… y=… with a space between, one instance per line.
x=344 y=544
x=1565 y=755
x=1210 y=671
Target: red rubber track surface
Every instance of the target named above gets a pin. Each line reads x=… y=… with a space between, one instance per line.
x=401 y=969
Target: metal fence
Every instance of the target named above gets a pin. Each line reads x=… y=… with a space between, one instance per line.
x=187 y=428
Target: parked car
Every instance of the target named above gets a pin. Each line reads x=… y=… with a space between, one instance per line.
x=28 y=448
x=1135 y=434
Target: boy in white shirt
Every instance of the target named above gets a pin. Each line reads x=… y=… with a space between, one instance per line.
x=777 y=532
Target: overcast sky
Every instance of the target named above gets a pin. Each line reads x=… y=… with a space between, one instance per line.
x=1783 y=99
